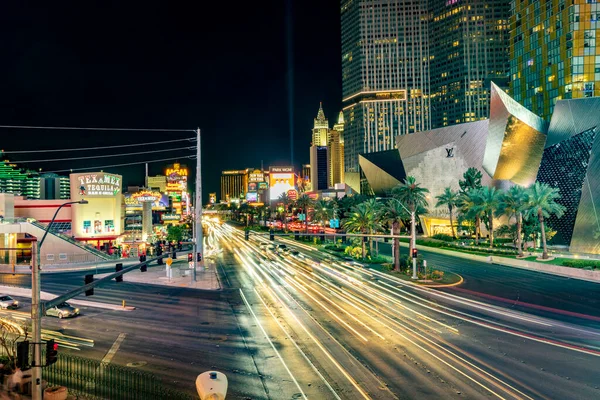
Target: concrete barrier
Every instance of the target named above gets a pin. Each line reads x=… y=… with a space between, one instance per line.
x=576 y=273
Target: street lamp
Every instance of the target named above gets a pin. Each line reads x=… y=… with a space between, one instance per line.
x=412 y=233
x=36 y=312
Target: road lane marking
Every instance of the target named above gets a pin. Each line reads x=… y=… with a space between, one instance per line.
x=113 y=350
x=272 y=345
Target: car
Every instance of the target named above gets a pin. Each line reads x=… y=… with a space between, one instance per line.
x=7 y=302
x=294 y=252
x=63 y=310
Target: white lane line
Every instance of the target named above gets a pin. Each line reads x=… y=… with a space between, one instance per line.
x=113 y=350
x=272 y=345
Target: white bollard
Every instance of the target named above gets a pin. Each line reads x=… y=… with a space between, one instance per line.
x=211 y=385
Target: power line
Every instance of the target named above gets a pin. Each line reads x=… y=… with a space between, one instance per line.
x=95 y=148
x=106 y=155
x=118 y=165
x=80 y=128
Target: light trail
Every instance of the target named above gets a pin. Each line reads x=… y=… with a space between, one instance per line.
x=272 y=345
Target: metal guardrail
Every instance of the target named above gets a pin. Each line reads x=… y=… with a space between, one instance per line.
x=93 y=379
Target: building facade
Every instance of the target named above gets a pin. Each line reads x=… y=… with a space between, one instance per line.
x=468 y=49
x=385 y=74
x=320 y=128
x=234 y=184
x=157 y=182
x=18 y=181
x=553 y=52
x=319 y=167
x=53 y=186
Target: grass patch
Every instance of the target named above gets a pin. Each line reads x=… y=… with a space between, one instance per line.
x=449 y=278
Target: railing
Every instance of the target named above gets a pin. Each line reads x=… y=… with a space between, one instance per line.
x=92 y=379
x=77 y=243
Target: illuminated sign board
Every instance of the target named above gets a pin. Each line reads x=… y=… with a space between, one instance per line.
x=263 y=185
x=292 y=194
x=281 y=179
x=256 y=177
x=252 y=187
x=97 y=184
x=171 y=217
x=146 y=196
x=251 y=197
x=212 y=198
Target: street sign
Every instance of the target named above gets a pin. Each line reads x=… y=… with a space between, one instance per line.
x=191 y=264
x=169 y=261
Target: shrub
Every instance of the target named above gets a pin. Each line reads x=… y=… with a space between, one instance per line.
x=334 y=247
x=594 y=264
x=437 y=275
x=443 y=236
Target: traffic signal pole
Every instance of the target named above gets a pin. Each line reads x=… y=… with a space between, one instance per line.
x=36 y=324
x=198 y=207
x=414 y=243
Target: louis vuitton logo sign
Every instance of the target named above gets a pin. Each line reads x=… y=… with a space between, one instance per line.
x=450 y=152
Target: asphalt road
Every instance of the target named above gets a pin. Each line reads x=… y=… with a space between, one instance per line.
x=315 y=327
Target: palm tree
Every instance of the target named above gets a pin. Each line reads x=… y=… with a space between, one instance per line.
x=512 y=205
x=472 y=180
x=359 y=220
x=449 y=198
x=488 y=204
x=304 y=202
x=469 y=203
x=393 y=213
x=322 y=211
x=373 y=207
x=413 y=196
x=541 y=203
x=286 y=201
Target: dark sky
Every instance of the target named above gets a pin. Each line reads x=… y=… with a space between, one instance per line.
x=164 y=65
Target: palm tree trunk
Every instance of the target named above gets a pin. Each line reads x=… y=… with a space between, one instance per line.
x=377 y=247
x=364 y=249
x=491 y=218
x=396 y=246
x=451 y=224
x=519 y=243
x=285 y=221
x=477 y=229
x=543 y=230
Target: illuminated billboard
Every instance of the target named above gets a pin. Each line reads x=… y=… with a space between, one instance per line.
x=281 y=179
x=256 y=176
x=97 y=184
x=251 y=197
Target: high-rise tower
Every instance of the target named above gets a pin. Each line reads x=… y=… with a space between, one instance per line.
x=553 y=52
x=320 y=128
x=385 y=74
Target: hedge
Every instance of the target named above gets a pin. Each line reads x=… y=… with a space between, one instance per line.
x=594 y=264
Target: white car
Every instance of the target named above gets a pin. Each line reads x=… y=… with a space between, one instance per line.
x=7 y=302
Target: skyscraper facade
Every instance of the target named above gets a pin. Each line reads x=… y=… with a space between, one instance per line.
x=468 y=48
x=553 y=52
x=385 y=74
x=320 y=128
x=319 y=167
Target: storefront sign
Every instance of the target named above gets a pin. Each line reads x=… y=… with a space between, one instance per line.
x=256 y=177
x=146 y=196
x=171 y=217
x=97 y=184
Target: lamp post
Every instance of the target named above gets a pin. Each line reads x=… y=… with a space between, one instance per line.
x=36 y=311
x=413 y=236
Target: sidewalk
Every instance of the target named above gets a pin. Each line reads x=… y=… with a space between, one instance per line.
x=181 y=276
x=46 y=269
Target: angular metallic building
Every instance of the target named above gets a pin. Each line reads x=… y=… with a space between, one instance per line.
x=513 y=147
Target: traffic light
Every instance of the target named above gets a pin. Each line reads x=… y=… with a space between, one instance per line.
x=190 y=257
x=296 y=236
x=159 y=254
x=89 y=279
x=247 y=235
x=198 y=257
x=414 y=252
x=118 y=268
x=271 y=235
x=174 y=256
x=179 y=246
x=51 y=352
x=23 y=354
x=143 y=267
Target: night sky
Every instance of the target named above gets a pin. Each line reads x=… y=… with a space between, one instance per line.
x=164 y=65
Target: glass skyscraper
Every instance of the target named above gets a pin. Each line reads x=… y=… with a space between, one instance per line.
x=469 y=48
x=553 y=52
x=385 y=74
x=414 y=65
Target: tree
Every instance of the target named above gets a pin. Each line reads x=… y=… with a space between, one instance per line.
x=374 y=208
x=359 y=220
x=413 y=197
x=542 y=203
x=304 y=202
x=322 y=211
x=174 y=233
x=393 y=213
x=285 y=200
x=469 y=204
x=472 y=180
x=488 y=205
x=449 y=199
x=512 y=205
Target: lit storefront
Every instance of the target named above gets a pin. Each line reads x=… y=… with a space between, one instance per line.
x=156 y=204
x=99 y=221
x=177 y=176
x=281 y=180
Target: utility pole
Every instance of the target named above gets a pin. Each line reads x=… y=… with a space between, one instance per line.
x=198 y=207
x=36 y=323
x=414 y=243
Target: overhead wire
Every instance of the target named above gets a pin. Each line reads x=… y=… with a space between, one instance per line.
x=96 y=148
x=106 y=155
x=120 y=165
x=81 y=128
